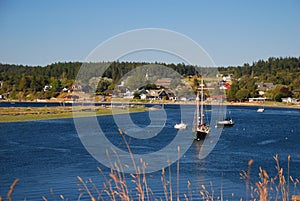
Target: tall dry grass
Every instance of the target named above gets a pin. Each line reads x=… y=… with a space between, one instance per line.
x=11 y=190
x=268 y=187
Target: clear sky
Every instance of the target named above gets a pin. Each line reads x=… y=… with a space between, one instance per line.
x=233 y=32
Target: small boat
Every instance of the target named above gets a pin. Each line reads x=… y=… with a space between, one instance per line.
x=225 y=123
x=201 y=129
x=180 y=126
x=260 y=110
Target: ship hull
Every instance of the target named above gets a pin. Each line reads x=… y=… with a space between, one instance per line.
x=200 y=135
x=220 y=125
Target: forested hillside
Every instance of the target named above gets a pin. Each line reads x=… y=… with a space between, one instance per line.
x=29 y=81
x=284 y=73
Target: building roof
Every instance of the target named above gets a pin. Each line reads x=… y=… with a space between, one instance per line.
x=264 y=86
x=165 y=82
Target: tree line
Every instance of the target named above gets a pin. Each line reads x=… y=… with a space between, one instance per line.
x=284 y=73
x=28 y=82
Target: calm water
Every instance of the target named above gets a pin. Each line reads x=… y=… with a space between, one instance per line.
x=49 y=154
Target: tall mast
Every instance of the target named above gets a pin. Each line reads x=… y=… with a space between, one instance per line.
x=201 y=110
x=197 y=109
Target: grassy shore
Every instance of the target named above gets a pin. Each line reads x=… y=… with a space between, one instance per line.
x=16 y=114
x=267 y=104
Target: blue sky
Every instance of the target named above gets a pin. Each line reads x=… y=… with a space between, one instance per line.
x=233 y=32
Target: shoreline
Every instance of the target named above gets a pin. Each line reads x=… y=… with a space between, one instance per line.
x=60 y=104
x=269 y=104
x=34 y=113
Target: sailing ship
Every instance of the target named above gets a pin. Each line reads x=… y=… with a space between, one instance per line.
x=201 y=129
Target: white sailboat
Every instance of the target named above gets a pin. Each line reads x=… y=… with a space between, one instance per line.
x=201 y=129
x=180 y=126
x=261 y=109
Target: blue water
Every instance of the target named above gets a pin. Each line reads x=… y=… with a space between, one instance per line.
x=48 y=154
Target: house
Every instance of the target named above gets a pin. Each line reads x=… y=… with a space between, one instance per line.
x=263 y=87
x=128 y=94
x=227 y=78
x=168 y=94
x=47 y=87
x=225 y=86
x=158 y=95
x=152 y=95
x=143 y=96
x=259 y=99
x=143 y=91
x=163 y=95
x=65 y=90
x=290 y=100
x=123 y=91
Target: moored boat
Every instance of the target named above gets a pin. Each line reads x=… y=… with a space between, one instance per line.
x=180 y=126
x=225 y=123
x=201 y=129
x=260 y=110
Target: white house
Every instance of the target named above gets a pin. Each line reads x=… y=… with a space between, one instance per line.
x=227 y=78
x=143 y=96
x=289 y=100
x=47 y=87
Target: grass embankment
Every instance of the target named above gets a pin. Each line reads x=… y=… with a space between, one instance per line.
x=266 y=104
x=15 y=114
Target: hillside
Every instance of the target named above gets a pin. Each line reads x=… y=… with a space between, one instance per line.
x=283 y=73
x=31 y=82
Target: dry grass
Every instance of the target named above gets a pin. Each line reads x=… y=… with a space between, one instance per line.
x=265 y=189
x=11 y=190
x=268 y=187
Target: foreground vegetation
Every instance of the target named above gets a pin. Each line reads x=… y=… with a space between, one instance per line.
x=279 y=187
